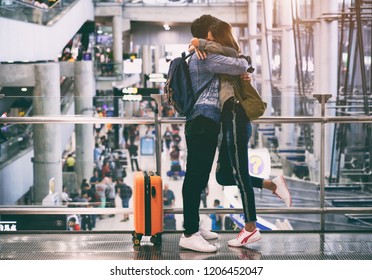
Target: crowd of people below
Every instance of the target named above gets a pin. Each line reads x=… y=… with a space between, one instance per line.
x=106 y=187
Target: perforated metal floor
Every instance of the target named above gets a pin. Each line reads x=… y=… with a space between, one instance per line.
x=119 y=246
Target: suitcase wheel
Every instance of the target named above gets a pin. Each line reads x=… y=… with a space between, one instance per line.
x=156 y=239
x=136 y=238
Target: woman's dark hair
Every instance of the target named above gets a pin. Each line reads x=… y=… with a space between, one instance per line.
x=222 y=34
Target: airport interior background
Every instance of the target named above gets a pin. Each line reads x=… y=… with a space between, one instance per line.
x=82 y=95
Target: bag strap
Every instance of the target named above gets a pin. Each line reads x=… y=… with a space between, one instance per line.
x=237 y=90
x=184 y=56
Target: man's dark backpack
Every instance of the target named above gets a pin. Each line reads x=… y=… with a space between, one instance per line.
x=178 y=87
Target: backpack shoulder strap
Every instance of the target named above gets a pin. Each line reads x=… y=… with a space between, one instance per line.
x=184 y=56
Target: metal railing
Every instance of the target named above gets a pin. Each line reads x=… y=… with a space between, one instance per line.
x=165 y=3
x=322 y=120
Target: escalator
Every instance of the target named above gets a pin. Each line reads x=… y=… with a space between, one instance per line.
x=28 y=44
x=16 y=138
x=28 y=40
x=352 y=155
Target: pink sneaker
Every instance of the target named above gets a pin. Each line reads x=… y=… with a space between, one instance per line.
x=245 y=237
x=282 y=190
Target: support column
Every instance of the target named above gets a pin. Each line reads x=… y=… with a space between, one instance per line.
x=129 y=109
x=266 y=62
x=156 y=58
x=128 y=48
x=242 y=35
x=146 y=62
x=127 y=42
x=325 y=72
x=252 y=28
x=118 y=43
x=288 y=82
x=266 y=53
x=84 y=92
x=252 y=45
x=47 y=137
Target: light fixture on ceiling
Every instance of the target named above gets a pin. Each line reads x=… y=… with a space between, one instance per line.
x=166 y=27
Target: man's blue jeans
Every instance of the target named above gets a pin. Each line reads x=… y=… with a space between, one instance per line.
x=201 y=140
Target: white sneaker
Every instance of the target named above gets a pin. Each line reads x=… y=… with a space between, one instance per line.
x=245 y=237
x=282 y=190
x=207 y=234
x=196 y=243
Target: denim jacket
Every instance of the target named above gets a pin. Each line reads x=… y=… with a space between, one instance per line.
x=226 y=81
x=202 y=73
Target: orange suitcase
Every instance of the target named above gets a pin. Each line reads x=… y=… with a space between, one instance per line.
x=147 y=207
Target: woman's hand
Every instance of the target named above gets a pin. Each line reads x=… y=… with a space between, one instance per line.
x=191 y=48
x=200 y=54
x=194 y=44
x=246 y=77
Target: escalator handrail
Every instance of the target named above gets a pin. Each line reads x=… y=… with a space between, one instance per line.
x=29 y=5
x=32 y=5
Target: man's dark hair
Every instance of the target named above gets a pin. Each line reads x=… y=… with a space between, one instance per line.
x=200 y=26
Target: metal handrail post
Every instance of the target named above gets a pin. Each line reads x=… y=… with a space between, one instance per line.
x=322 y=98
x=157 y=98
